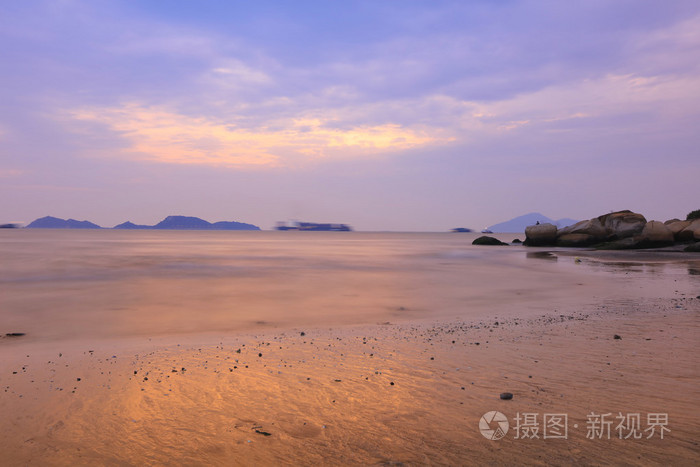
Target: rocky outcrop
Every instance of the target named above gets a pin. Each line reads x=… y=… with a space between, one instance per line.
x=616 y=230
x=540 y=234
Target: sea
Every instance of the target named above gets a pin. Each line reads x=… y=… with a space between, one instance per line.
x=102 y=284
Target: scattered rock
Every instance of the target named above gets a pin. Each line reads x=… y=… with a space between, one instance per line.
x=486 y=240
x=264 y=433
x=517 y=240
x=506 y=396
x=617 y=336
x=15 y=334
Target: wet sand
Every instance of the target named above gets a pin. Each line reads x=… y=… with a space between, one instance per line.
x=404 y=382
x=327 y=398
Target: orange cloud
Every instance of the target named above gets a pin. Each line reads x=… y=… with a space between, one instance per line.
x=165 y=136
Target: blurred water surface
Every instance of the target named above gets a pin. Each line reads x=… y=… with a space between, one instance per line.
x=60 y=284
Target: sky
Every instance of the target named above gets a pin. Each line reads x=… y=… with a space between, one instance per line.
x=385 y=115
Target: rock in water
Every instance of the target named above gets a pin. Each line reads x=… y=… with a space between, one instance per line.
x=486 y=240
x=541 y=235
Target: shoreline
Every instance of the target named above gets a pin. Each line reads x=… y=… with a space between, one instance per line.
x=347 y=411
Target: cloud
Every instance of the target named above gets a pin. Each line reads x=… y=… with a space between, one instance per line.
x=10 y=173
x=165 y=136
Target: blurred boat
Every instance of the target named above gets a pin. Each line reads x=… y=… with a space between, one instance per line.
x=314 y=227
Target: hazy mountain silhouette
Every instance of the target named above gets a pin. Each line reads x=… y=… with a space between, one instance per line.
x=49 y=222
x=518 y=224
x=195 y=223
x=132 y=226
x=169 y=223
x=189 y=223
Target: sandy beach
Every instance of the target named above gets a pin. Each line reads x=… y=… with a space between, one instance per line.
x=400 y=388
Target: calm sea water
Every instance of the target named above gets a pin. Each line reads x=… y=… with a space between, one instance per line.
x=63 y=284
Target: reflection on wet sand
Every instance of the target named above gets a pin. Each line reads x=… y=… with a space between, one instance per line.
x=542 y=255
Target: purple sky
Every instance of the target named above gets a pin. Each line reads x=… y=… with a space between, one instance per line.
x=386 y=115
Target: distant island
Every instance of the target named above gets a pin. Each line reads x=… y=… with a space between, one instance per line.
x=169 y=223
x=49 y=222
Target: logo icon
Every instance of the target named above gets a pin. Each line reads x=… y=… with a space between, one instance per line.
x=493 y=425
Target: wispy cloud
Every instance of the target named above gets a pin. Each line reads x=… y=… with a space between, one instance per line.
x=9 y=173
x=165 y=136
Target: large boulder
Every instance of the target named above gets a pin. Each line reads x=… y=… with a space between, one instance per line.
x=592 y=227
x=486 y=240
x=622 y=224
x=656 y=233
x=541 y=234
x=690 y=233
x=676 y=227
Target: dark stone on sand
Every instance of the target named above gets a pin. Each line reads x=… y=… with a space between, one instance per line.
x=260 y=355
x=392 y=383
x=486 y=240
x=617 y=337
x=264 y=433
x=506 y=396
x=15 y=334
x=302 y=333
